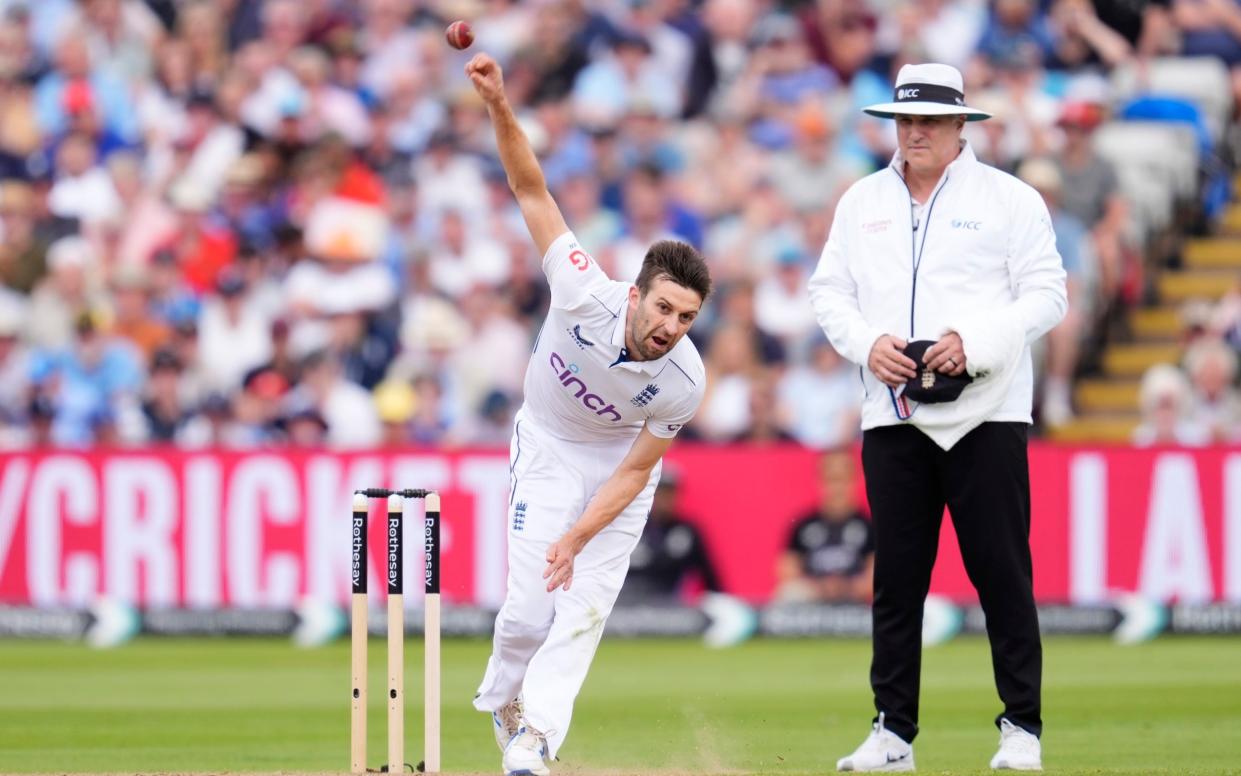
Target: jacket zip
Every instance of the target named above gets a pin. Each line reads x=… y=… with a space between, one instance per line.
x=900 y=405
x=915 y=250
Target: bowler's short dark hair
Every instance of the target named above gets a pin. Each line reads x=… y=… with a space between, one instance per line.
x=678 y=262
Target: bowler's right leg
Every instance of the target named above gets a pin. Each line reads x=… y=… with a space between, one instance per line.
x=521 y=626
x=546 y=496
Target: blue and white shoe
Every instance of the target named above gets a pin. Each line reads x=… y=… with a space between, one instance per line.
x=526 y=754
x=506 y=722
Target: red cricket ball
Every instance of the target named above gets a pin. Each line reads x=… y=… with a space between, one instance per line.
x=459 y=34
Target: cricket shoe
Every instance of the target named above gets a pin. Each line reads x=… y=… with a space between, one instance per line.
x=1020 y=750
x=882 y=751
x=506 y=721
x=526 y=754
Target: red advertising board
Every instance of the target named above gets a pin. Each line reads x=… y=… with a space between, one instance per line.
x=211 y=529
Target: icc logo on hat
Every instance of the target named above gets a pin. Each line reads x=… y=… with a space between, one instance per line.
x=927 y=90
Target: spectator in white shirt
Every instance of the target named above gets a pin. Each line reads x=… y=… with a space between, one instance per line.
x=447 y=179
x=331 y=109
x=352 y=420
x=391 y=45
x=466 y=257
x=71 y=287
x=732 y=366
x=234 y=336
x=494 y=355
x=1212 y=368
x=82 y=189
x=782 y=301
x=933 y=30
x=1166 y=399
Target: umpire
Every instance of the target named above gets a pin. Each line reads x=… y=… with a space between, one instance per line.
x=938 y=274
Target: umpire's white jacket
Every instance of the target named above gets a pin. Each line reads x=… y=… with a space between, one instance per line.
x=982 y=263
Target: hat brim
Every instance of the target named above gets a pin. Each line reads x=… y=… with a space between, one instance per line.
x=889 y=110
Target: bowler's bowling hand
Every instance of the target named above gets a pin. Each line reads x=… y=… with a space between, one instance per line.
x=488 y=79
x=889 y=363
x=560 y=557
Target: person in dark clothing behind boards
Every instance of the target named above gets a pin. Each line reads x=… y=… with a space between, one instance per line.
x=830 y=554
x=670 y=552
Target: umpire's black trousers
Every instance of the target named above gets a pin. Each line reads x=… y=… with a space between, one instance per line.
x=985 y=482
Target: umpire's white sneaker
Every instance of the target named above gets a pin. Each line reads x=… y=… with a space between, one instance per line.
x=1019 y=749
x=526 y=754
x=882 y=750
x=505 y=722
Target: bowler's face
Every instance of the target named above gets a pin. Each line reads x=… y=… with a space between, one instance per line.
x=659 y=318
x=929 y=143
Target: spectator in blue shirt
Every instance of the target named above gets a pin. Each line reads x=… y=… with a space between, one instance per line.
x=1015 y=24
x=97 y=377
x=73 y=68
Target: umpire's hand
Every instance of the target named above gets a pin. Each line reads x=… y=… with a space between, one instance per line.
x=889 y=363
x=947 y=355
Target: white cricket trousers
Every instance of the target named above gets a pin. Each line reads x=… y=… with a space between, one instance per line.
x=544 y=642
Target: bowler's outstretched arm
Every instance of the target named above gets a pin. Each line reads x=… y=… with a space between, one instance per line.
x=525 y=177
x=610 y=500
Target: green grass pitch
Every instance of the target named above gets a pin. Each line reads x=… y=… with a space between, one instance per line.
x=648 y=707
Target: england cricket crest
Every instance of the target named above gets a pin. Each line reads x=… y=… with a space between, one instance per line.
x=928 y=379
x=645 y=396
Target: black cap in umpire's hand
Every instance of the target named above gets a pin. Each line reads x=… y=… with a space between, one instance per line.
x=929 y=386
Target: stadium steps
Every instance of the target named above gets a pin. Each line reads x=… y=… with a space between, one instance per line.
x=1156 y=323
x=1230 y=223
x=1133 y=359
x=1183 y=285
x=1106 y=396
x=1212 y=253
x=1106 y=405
x=1097 y=427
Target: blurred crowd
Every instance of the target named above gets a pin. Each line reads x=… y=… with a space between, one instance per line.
x=1196 y=403
x=255 y=222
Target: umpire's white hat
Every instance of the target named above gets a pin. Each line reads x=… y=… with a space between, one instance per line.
x=928 y=90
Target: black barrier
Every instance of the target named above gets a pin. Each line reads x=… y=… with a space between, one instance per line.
x=658 y=620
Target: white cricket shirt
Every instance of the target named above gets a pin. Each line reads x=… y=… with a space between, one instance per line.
x=580 y=385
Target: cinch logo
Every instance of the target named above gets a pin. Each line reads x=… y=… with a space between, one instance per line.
x=906 y=94
x=593 y=402
x=580 y=260
x=973 y=226
x=576 y=334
